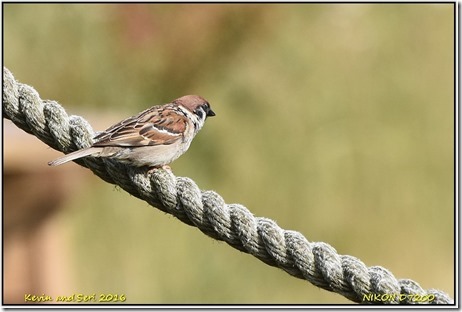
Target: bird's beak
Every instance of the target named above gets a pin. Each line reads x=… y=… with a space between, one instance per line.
x=210 y=113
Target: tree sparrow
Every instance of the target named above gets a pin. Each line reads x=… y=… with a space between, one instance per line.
x=154 y=137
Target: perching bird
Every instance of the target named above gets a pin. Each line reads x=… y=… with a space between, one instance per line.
x=154 y=137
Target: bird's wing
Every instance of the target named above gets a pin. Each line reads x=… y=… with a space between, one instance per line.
x=155 y=126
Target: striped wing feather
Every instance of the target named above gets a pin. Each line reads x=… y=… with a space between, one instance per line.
x=155 y=126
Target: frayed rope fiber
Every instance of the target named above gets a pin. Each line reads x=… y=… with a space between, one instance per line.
x=316 y=262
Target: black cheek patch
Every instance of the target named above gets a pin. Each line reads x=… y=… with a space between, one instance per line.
x=199 y=112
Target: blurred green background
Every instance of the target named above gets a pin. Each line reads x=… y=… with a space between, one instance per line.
x=335 y=120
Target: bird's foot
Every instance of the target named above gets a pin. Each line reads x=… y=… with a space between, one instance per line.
x=165 y=167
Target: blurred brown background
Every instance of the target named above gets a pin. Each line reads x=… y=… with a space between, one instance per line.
x=334 y=120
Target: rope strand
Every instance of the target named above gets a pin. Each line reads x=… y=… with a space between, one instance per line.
x=234 y=224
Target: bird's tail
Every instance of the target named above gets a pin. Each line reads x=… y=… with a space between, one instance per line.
x=74 y=155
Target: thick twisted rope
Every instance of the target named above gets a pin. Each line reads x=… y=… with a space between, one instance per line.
x=316 y=262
